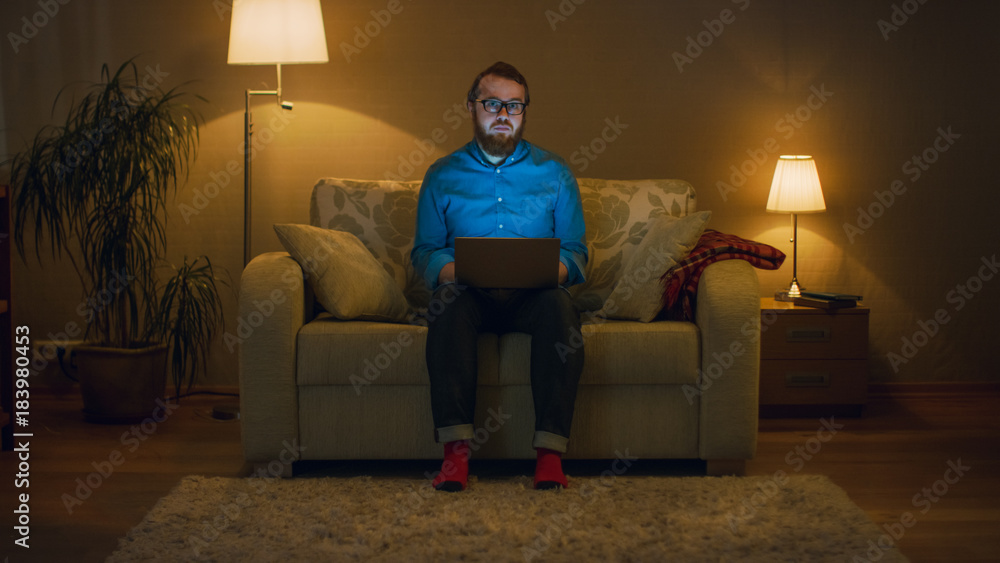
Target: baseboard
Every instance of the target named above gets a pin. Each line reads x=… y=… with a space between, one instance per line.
x=902 y=388
x=72 y=390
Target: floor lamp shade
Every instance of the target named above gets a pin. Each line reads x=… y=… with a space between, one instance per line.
x=277 y=32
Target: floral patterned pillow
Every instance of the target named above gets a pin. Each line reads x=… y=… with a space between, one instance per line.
x=383 y=213
x=617 y=215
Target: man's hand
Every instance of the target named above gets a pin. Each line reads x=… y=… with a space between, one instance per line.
x=563 y=273
x=447 y=273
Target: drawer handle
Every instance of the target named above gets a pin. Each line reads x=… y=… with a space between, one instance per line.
x=807 y=379
x=808 y=334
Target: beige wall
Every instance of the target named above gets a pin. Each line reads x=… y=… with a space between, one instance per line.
x=753 y=91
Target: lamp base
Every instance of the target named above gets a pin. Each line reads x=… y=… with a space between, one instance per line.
x=790 y=293
x=783 y=295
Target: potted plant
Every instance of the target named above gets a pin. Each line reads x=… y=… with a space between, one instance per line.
x=96 y=187
x=187 y=318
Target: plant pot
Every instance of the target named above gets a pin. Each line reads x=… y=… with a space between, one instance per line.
x=121 y=385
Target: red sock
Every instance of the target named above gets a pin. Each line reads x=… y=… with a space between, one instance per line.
x=548 y=470
x=454 y=474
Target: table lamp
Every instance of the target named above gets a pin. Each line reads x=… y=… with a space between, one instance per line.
x=795 y=189
x=266 y=32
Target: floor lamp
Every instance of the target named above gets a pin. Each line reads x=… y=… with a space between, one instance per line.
x=266 y=32
x=795 y=189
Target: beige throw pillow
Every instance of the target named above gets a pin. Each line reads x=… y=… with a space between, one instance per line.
x=638 y=292
x=347 y=280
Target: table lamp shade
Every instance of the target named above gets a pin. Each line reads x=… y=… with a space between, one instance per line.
x=796 y=187
x=277 y=32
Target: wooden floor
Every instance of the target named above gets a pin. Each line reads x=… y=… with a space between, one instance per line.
x=89 y=484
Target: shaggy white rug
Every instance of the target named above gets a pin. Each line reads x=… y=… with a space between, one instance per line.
x=628 y=518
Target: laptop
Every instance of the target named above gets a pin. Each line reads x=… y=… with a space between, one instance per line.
x=507 y=263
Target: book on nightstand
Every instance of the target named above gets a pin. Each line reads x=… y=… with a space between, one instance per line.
x=824 y=300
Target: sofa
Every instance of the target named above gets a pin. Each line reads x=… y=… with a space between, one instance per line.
x=320 y=380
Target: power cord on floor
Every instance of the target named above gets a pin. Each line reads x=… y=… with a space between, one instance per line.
x=60 y=353
x=224 y=412
x=193 y=393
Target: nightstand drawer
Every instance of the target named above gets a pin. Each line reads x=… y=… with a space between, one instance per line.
x=801 y=382
x=816 y=336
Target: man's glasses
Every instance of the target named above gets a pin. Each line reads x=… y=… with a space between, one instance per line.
x=494 y=106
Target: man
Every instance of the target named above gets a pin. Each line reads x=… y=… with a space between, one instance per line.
x=500 y=185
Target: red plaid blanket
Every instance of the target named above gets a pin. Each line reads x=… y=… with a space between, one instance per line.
x=680 y=283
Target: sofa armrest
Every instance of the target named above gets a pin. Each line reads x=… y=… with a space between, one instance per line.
x=274 y=305
x=728 y=317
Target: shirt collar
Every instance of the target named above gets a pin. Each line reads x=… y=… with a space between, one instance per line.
x=520 y=152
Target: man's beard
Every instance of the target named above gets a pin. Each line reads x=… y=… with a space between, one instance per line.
x=498 y=144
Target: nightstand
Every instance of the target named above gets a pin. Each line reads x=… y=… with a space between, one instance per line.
x=813 y=362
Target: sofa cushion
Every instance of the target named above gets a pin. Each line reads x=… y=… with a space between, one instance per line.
x=617 y=353
x=616 y=215
x=359 y=353
x=637 y=294
x=383 y=215
x=345 y=277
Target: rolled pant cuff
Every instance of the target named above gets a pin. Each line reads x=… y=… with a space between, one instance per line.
x=550 y=441
x=452 y=433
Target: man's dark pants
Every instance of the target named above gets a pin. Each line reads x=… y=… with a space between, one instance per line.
x=553 y=322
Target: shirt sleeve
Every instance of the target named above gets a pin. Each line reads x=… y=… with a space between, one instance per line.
x=570 y=229
x=430 y=244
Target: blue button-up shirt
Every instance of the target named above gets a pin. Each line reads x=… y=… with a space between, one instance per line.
x=530 y=194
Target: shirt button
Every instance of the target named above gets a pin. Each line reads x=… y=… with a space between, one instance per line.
x=498 y=170
x=501 y=226
x=499 y=199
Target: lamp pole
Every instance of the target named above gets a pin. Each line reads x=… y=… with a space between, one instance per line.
x=248 y=158
x=794 y=290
